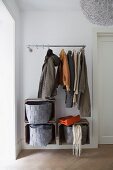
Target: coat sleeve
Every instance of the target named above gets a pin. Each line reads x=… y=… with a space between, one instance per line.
x=50 y=78
x=66 y=74
x=85 y=104
x=82 y=81
x=64 y=70
x=41 y=82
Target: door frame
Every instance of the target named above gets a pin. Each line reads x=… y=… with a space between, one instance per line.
x=97 y=31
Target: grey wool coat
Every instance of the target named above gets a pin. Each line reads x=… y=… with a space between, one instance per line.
x=84 y=104
x=47 y=84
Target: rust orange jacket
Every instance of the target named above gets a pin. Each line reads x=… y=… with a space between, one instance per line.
x=64 y=70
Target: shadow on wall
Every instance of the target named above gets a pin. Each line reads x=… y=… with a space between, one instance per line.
x=61 y=109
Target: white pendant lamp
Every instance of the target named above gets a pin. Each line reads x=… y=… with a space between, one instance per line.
x=98 y=12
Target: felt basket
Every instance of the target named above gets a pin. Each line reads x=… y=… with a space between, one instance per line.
x=40 y=135
x=39 y=112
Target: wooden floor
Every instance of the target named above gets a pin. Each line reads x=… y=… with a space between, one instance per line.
x=91 y=159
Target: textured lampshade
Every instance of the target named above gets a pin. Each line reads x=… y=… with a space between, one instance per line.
x=98 y=12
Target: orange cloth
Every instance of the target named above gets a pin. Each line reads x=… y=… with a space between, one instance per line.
x=69 y=120
x=64 y=70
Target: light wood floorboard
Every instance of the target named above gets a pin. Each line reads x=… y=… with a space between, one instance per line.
x=91 y=159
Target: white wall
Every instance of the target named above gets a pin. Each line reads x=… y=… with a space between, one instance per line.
x=14 y=11
x=52 y=27
x=7 y=84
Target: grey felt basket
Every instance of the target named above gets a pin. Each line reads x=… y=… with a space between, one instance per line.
x=40 y=135
x=38 y=113
x=68 y=134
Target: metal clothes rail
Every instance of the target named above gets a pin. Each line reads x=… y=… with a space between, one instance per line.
x=56 y=45
x=48 y=46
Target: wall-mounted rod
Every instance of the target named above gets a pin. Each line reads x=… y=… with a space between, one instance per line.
x=55 y=46
x=30 y=47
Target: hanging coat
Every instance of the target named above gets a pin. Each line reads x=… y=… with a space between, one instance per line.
x=69 y=95
x=84 y=104
x=47 y=85
x=76 y=77
x=64 y=74
x=70 y=57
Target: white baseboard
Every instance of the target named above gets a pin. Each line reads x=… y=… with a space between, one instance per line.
x=18 y=147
